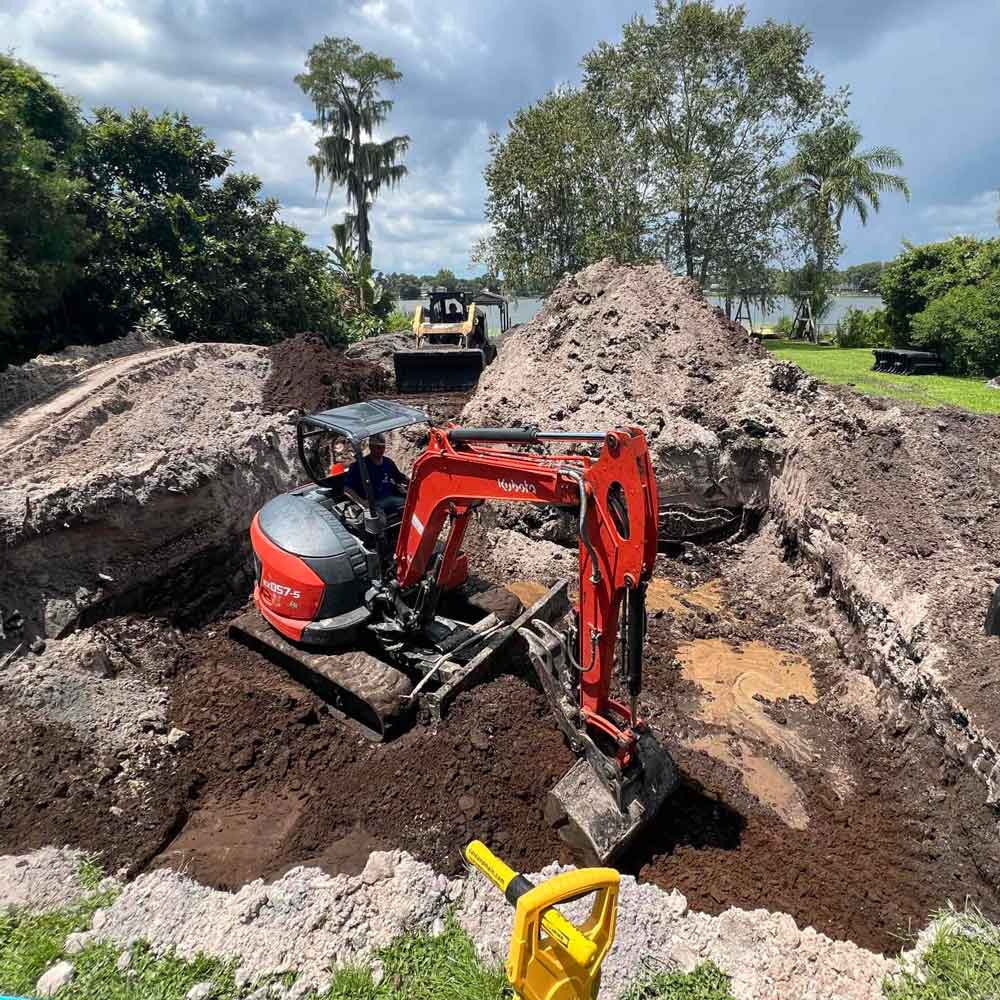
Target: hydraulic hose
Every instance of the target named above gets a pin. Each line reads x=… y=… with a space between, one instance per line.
x=520 y=435
x=635 y=625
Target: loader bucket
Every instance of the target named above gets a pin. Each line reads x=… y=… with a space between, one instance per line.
x=438 y=369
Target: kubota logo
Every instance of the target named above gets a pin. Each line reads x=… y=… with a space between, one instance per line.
x=281 y=590
x=513 y=486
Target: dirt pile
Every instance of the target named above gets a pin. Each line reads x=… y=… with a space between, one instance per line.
x=144 y=483
x=635 y=345
x=379 y=350
x=42 y=375
x=893 y=510
x=43 y=880
x=306 y=375
x=301 y=787
x=306 y=920
x=87 y=683
x=89 y=756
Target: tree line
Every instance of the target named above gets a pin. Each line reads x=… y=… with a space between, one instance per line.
x=121 y=221
x=118 y=222
x=698 y=140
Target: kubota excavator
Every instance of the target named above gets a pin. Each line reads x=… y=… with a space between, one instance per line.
x=360 y=618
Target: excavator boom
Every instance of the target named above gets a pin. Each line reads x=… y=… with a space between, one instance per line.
x=625 y=775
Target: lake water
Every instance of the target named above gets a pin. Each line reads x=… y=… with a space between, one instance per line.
x=523 y=310
x=785 y=307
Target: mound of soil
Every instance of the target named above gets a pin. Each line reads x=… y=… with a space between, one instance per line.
x=55 y=790
x=268 y=756
x=115 y=486
x=631 y=346
x=48 y=373
x=894 y=510
x=379 y=350
x=306 y=375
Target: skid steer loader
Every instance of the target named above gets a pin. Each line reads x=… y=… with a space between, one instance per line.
x=452 y=346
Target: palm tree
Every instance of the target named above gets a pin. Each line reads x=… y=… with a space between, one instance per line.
x=828 y=177
x=342 y=80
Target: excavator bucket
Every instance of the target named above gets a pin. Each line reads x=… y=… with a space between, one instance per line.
x=585 y=813
x=438 y=369
x=582 y=808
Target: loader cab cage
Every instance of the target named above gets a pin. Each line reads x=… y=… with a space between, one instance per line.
x=326 y=438
x=448 y=307
x=453 y=307
x=484 y=298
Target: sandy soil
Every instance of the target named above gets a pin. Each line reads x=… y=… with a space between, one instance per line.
x=821 y=674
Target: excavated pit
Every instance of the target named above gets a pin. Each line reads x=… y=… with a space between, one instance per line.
x=803 y=790
x=837 y=764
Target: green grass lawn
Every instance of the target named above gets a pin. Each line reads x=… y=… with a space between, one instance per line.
x=962 y=963
x=852 y=366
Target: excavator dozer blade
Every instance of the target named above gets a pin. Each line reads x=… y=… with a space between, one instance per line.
x=438 y=369
x=361 y=690
x=586 y=815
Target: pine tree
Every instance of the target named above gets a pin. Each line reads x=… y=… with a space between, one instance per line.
x=342 y=81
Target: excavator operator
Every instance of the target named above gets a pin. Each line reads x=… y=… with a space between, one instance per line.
x=388 y=483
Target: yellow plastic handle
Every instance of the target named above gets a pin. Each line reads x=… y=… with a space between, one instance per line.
x=581 y=949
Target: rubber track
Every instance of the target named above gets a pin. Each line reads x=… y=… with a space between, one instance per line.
x=362 y=690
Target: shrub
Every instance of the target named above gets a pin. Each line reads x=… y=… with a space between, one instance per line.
x=964 y=326
x=398 y=322
x=922 y=274
x=784 y=326
x=862 y=328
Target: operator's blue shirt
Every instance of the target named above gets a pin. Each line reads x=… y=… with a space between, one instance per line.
x=383 y=477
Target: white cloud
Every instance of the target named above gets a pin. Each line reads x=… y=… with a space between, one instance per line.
x=277 y=153
x=923 y=81
x=977 y=216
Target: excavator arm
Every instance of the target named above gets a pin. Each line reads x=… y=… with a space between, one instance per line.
x=614 y=499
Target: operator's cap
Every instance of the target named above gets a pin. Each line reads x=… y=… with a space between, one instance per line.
x=376 y=439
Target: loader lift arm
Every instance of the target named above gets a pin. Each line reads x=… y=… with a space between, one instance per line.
x=615 y=499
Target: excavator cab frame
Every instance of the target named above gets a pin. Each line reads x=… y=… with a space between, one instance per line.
x=354 y=424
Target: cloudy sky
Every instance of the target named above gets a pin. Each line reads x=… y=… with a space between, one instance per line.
x=925 y=77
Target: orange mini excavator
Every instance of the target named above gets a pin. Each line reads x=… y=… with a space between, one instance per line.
x=368 y=609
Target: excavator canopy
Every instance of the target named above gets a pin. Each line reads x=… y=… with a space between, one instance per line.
x=358 y=421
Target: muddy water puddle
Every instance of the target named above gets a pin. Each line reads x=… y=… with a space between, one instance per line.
x=664 y=594
x=736 y=682
x=761 y=777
